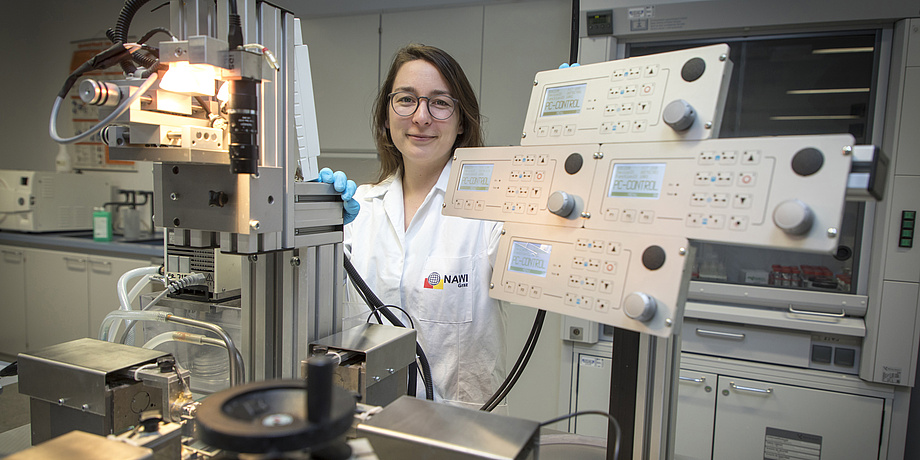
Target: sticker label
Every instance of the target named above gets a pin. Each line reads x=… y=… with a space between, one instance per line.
x=891 y=375
x=592 y=361
x=788 y=445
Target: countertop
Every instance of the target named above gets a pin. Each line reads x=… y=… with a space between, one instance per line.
x=82 y=242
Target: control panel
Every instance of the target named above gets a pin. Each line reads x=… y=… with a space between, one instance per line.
x=662 y=97
x=785 y=192
x=609 y=277
x=518 y=184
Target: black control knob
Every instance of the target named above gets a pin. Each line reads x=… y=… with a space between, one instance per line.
x=560 y=203
x=217 y=199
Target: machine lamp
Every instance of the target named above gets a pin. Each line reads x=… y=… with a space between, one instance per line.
x=194 y=79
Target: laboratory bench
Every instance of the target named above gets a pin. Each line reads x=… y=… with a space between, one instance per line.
x=59 y=286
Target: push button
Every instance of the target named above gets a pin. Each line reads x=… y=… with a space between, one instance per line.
x=821 y=354
x=845 y=357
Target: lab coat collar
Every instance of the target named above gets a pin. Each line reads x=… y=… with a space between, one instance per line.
x=379 y=190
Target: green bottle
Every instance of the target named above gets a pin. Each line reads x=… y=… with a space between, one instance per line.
x=102 y=225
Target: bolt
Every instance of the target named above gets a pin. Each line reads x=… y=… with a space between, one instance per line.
x=491 y=286
x=376 y=378
x=253 y=258
x=503 y=231
x=61 y=402
x=535 y=83
x=599 y=156
x=832 y=232
x=174 y=196
x=295 y=261
x=848 y=150
x=668 y=322
x=254 y=224
x=523 y=135
x=723 y=58
x=682 y=251
x=585 y=215
x=85 y=407
x=391 y=371
x=708 y=125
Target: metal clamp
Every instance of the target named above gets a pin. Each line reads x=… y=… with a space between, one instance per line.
x=720 y=335
x=750 y=389
x=817 y=313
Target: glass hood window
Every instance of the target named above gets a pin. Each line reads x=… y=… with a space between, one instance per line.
x=793 y=85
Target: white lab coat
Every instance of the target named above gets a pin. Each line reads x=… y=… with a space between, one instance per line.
x=439 y=271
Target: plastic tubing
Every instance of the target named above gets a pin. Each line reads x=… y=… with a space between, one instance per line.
x=125 y=298
x=108 y=335
x=236 y=360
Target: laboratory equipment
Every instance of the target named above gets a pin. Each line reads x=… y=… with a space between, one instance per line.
x=99 y=387
x=372 y=360
x=44 y=201
x=433 y=430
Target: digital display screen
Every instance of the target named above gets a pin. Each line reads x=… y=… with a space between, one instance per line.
x=563 y=100
x=637 y=180
x=529 y=258
x=475 y=177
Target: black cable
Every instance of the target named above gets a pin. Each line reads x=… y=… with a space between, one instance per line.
x=155 y=31
x=376 y=309
x=518 y=369
x=374 y=301
x=573 y=43
x=120 y=34
x=611 y=418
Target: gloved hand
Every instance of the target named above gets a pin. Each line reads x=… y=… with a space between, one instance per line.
x=565 y=65
x=347 y=187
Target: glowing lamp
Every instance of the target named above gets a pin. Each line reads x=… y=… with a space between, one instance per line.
x=194 y=79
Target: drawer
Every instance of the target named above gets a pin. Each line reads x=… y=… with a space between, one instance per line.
x=752 y=343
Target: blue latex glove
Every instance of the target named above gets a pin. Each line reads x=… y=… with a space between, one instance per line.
x=347 y=187
x=565 y=65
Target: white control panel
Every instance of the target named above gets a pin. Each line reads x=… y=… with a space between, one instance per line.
x=515 y=183
x=785 y=192
x=663 y=97
x=609 y=277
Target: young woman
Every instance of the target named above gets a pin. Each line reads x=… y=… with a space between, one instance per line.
x=436 y=267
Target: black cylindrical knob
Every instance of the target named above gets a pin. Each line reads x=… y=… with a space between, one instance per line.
x=319 y=389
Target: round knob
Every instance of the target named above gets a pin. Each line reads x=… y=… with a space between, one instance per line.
x=640 y=306
x=793 y=217
x=560 y=203
x=679 y=115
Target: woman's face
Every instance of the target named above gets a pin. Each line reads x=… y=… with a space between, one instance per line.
x=422 y=139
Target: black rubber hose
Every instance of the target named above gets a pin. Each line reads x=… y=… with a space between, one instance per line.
x=374 y=303
x=529 y=346
x=120 y=34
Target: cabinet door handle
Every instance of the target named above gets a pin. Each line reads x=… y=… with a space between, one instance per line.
x=692 y=380
x=750 y=389
x=817 y=313
x=78 y=260
x=719 y=334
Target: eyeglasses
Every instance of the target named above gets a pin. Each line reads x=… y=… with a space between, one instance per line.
x=439 y=107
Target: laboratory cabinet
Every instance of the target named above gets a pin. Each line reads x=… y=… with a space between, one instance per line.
x=730 y=409
x=53 y=296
